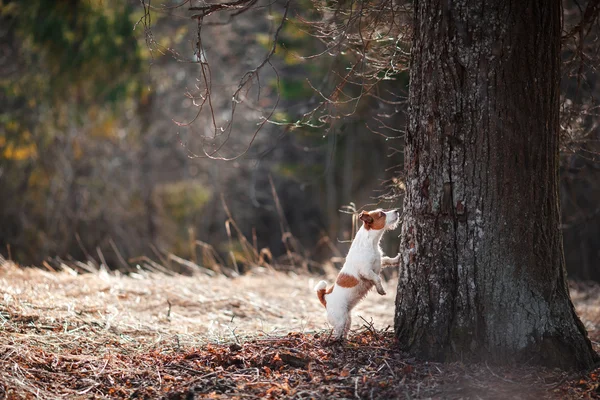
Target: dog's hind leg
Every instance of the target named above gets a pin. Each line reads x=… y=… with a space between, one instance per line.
x=348 y=324
x=339 y=321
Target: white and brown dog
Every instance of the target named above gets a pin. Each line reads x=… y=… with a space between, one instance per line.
x=360 y=271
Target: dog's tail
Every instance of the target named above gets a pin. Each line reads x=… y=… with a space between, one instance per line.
x=321 y=289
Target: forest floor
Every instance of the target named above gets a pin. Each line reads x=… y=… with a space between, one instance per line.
x=262 y=335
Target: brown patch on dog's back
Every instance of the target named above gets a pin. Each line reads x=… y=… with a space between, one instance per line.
x=346 y=280
x=321 y=295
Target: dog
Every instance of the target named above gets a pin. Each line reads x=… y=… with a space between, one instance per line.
x=360 y=271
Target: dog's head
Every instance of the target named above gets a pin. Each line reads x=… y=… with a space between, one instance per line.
x=379 y=219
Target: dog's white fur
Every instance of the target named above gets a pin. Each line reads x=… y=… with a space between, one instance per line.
x=360 y=271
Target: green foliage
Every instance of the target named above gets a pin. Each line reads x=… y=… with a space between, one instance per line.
x=183 y=200
x=299 y=170
x=295 y=89
x=88 y=47
x=182 y=204
x=294 y=43
x=71 y=55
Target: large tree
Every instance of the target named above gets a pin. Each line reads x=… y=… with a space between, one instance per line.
x=483 y=274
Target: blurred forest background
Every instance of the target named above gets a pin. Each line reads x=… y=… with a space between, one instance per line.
x=98 y=162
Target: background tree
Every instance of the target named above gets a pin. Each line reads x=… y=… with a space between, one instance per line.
x=580 y=138
x=89 y=147
x=483 y=274
x=68 y=74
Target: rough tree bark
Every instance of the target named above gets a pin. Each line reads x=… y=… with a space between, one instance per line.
x=483 y=274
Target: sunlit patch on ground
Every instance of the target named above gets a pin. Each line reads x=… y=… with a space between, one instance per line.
x=68 y=335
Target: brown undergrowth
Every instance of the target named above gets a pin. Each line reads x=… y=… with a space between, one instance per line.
x=148 y=335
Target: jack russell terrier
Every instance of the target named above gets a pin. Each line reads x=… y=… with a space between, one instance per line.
x=360 y=271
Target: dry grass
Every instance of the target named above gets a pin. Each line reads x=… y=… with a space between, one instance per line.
x=148 y=335
x=196 y=308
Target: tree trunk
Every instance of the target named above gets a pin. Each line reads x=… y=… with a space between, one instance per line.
x=483 y=274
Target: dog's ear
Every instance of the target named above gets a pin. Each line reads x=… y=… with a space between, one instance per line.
x=365 y=217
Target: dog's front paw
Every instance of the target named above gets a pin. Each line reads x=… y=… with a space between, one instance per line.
x=390 y=262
